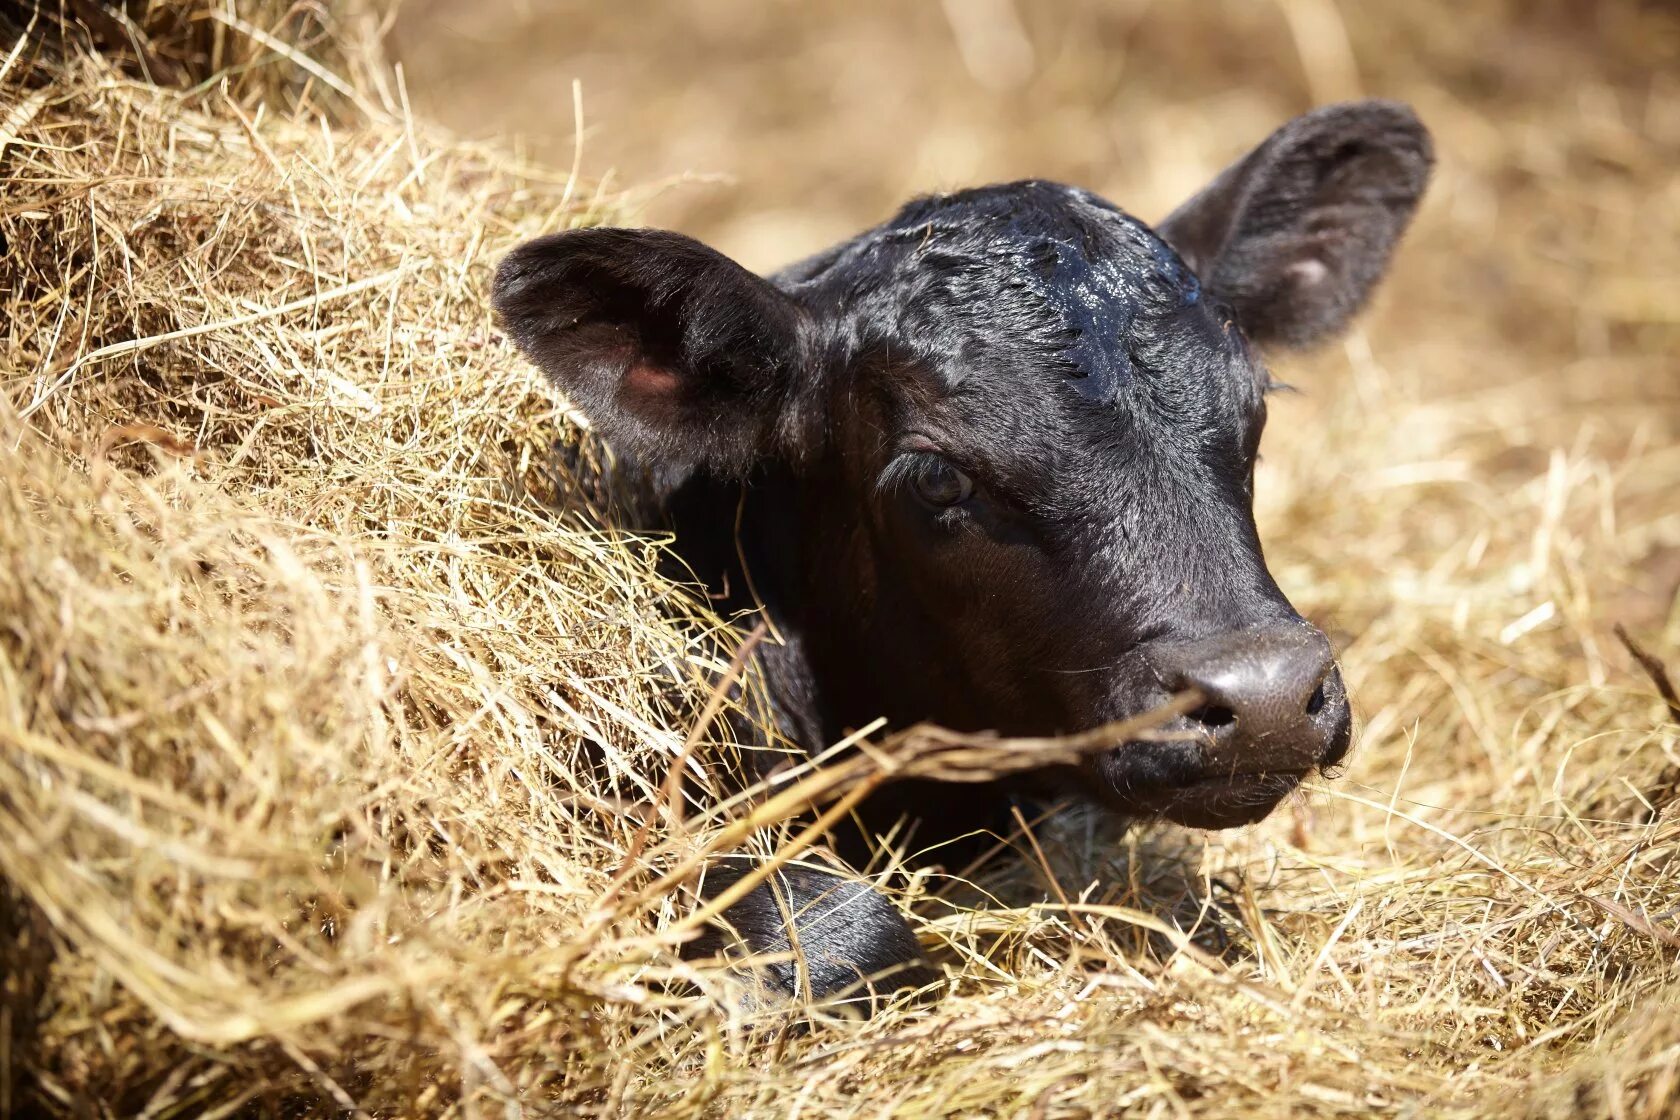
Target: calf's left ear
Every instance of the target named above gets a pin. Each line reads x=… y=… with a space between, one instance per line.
x=1296 y=235
x=676 y=354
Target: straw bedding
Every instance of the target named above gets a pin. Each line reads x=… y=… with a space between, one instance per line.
x=336 y=725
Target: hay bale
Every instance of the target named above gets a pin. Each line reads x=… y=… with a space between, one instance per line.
x=321 y=686
x=329 y=712
x=293 y=55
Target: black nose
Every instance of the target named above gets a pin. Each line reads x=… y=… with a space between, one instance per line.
x=1273 y=701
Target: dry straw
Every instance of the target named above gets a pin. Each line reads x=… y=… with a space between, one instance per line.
x=336 y=733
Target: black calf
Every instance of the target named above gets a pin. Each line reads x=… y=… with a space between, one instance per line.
x=993 y=463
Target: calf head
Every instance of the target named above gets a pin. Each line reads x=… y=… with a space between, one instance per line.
x=1021 y=426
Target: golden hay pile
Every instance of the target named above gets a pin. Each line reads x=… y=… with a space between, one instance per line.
x=329 y=714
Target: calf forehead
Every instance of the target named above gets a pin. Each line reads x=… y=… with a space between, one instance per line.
x=1021 y=274
x=1033 y=320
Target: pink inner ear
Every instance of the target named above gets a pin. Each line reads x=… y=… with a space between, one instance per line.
x=650 y=381
x=1309 y=271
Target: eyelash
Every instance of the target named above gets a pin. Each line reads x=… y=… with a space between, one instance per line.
x=899 y=475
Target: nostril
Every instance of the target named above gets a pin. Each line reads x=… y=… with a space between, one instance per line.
x=1213 y=715
x=1315 y=702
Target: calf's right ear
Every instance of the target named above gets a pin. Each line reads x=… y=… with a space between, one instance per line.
x=1296 y=235
x=676 y=354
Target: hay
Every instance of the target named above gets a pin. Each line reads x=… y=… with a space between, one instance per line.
x=316 y=700
x=329 y=714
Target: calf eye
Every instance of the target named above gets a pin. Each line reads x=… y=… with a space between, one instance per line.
x=938 y=483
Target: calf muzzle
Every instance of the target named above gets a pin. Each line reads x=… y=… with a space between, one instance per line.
x=1273 y=710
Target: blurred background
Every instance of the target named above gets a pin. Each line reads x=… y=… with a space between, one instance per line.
x=782 y=125
x=1546 y=259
